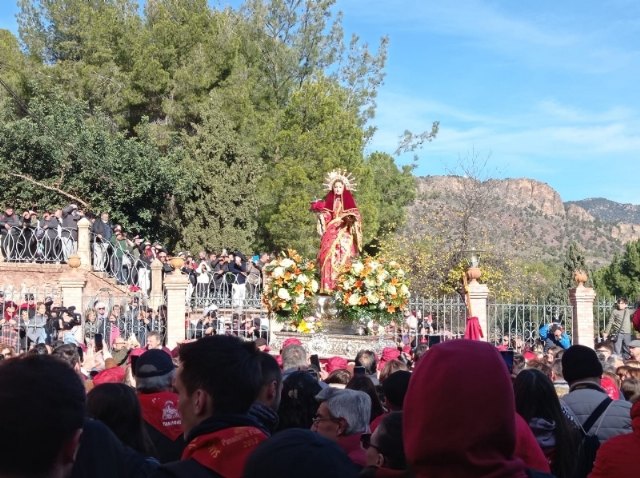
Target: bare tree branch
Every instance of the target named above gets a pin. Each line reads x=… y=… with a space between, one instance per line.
x=50 y=188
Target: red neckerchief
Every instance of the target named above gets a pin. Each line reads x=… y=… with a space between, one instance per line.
x=225 y=451
x=160 y=410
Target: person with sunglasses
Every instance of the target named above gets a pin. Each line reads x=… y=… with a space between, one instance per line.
x=384 y=449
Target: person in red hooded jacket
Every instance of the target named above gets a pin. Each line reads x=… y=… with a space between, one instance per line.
x=618 y=456
x=460 y=419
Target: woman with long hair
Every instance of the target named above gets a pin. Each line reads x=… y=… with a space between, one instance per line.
x=537 y=402
x=364 y=384
x=117 y=406
x=340 y=226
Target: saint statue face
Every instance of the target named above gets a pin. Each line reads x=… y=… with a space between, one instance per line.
x=338 y=188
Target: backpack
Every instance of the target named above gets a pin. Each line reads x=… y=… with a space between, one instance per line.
x=589 y=444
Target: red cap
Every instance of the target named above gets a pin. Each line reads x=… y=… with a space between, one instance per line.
x=110 y=375
x=291 y=341
x=336 y=363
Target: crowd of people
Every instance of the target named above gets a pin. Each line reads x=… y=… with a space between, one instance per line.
x=52 y=236
x=224 y=405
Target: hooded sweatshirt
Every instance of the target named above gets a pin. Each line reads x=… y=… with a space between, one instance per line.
x=459 y=414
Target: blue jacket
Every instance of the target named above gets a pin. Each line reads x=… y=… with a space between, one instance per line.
x=550 y=339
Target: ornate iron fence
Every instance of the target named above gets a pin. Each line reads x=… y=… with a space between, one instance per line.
x=518 y=324
x=224 y=292
x=122 y=316
x=124 y=266
x=220 y=305
x=36 y=244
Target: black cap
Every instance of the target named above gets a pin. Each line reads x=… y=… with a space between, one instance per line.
x=580 y=362
x=153 y=363
x=297 y=452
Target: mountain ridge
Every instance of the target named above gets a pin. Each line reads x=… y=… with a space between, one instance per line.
x=526 y=218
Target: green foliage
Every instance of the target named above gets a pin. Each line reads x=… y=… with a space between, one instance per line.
x=574 y=260
x=205 y=127
x=218 y=202
x=395 y=188
x=59 y=154
x=316 y=136
x=622 y=276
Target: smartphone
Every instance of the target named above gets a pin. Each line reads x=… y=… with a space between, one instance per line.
x=98 y=341
x=434 y=340
x=358 y=370
x=315 y=362
x=507 y=356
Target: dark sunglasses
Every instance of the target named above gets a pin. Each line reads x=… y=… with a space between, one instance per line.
x=365 y=441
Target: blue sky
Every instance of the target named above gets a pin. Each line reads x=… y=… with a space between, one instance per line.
x=545 y=90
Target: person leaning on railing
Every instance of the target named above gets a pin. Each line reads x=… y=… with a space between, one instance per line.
x=9 y=229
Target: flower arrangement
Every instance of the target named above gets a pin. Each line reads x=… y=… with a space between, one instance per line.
x=291 y=283
x=372 y=289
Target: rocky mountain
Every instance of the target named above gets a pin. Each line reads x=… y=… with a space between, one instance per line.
x=523 y=217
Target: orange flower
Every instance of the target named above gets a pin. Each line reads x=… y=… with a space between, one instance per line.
x=394 y=281
x=391 y=309
x=359 y=284
x=298 y=288
x=363 y=300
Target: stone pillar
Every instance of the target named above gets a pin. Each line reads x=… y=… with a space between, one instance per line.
x=84 y=243
x=176 y=287
x=582 y=299
x=156 y=297
x=478 y=295
x=72 y=286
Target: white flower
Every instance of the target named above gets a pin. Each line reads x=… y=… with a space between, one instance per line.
x=372 y=298
x=357 y=267
x=391 y=289
x=354 y=299
x=374 y=265
x=284 y=294
x=314 y=286
x=278 y=272
x=370 y=283
x=299 y=299
x=303 y=279
x=404 y=290
x=286 y=263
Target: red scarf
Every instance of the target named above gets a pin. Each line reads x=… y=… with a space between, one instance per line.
x=225 y=451
x=160 y=410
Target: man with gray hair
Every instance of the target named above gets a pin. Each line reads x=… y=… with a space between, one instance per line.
x=154 y=373
x=343 y=415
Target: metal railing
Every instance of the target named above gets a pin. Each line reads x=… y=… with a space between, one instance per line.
x=19 y=326
x=225 y=292
x=127 y=316
x=249 y=325
x=120 y=264
x=35 y=244
x=520 y=322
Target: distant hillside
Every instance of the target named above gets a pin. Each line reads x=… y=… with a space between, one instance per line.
x=525 y=218
x=610 y=211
